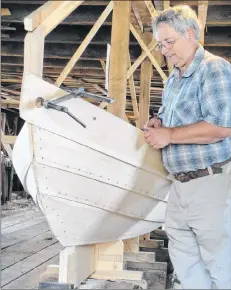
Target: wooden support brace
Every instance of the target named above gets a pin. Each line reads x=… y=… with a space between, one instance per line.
x=8 y=139
x=166 y=4
x=34 y=41
x=169 y=64
x=138 y=18
x=100 y=261
x=5 y=12
x=151 y=57
x=145 y=84
x=118 y=65
x=133 y=93
x=84 y=44
x=76 y=264
x=37 y=17
x=103 y=65
x=140 y=59
x=202 y=16
x=151 y=9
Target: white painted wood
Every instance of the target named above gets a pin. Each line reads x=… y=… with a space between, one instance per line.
x=76 y=264
x=104 y=177
x=105 y=132
x=74 y=223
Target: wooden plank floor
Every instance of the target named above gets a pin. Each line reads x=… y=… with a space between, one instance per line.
x=28 y=247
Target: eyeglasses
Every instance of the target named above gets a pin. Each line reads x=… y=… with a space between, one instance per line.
x=169 y=44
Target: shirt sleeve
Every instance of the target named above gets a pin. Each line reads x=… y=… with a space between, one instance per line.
x=216 y=94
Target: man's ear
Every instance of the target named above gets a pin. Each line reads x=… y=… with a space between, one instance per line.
x=191 y=33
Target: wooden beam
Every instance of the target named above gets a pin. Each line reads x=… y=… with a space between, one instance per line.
x=137 y=16
x=166 y=4
x=202 y=16
x=5 y=12
x=58 y=15
x=84 y=44
x=159 y=5
x=8 y=139
x=140 y=59
x=118 y=65
x=133 y=94
x=103 y=65
x=34 y=41
x=145 y=83
x=9 y=101
x=151 y=57
x=14 y=92
x=169 y=64
x=37 y=17
x=151 y=9
x=143 y=13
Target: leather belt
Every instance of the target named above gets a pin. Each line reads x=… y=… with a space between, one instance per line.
x=215 y=169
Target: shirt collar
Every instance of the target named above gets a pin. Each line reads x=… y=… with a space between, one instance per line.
x=193 y=65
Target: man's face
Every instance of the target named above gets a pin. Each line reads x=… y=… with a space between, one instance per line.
x=174 y=45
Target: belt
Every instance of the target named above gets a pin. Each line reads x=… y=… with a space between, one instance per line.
x=213 y=169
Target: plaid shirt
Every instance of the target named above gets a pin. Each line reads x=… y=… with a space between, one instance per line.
x=202 y=94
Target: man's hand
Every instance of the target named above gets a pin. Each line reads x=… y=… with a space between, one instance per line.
x=154 y=123
x=158 y=137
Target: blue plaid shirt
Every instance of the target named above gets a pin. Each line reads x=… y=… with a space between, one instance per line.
x=202 y=94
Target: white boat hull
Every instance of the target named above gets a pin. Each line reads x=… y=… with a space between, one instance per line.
x=98 y=184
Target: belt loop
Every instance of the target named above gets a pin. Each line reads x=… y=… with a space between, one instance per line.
x=210 y=170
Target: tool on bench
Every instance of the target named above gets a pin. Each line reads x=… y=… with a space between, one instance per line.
x=77 y=93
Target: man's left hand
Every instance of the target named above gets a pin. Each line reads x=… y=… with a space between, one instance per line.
x=158 y=137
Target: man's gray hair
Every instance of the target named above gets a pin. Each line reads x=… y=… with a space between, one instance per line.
x=181 y=18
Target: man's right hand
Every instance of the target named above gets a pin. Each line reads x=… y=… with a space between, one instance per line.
x=154 y=123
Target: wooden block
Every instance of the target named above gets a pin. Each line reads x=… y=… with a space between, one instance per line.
x=131 y=245
x=151 y=243
x=117 y=275
x=143 y=266
x=154 y=273
x=161 y=255
x=109 y=256
x=145 y=237
x=139 y=257
x=76 y=264
x=117 y=284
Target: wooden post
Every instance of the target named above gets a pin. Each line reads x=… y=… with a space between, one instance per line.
x=202 y=16
x=133 y=94
x=119 y=57
x=145 y=83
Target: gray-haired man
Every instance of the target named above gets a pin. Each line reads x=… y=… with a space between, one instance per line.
x=193 y=129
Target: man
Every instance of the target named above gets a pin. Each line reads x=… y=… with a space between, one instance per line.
x=193 y=129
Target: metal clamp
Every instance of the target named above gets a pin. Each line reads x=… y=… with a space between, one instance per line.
x=52 y=104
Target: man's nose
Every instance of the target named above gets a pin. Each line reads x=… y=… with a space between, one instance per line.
x=164 y=50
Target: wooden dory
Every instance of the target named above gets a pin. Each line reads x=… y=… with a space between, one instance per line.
x=96 y=184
